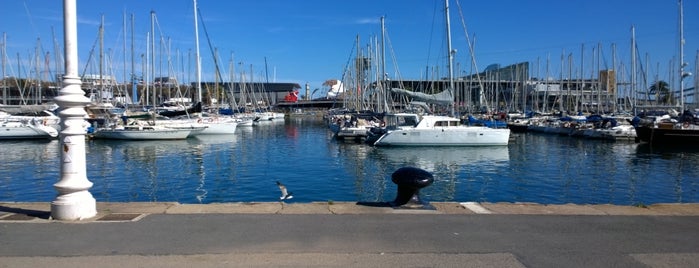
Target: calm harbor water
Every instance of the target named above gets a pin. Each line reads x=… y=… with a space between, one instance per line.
x=301 y=153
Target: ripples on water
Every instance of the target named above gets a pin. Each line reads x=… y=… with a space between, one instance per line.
x=303 y=155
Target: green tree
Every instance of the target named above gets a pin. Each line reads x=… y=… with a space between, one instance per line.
x=662 y=91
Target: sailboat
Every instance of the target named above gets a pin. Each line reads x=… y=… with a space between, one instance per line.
x=130 y=129
x=682 y=129
x=27 y=127
x=215 y=124
x=438 y=130
x=142 y=132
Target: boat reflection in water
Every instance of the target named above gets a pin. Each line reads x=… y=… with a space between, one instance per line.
x=147 y=165
x=157 y=170
x=211 y=151
x=29 y=169
x=437 y=159
x=450 y=167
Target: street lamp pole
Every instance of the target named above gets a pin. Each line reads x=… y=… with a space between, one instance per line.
x=74 y=201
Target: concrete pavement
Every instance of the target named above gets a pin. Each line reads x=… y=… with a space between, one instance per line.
x=349 y=234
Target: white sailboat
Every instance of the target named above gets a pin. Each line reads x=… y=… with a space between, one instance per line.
x=205 y=124
x=432 y=130
x=215 y=124
x=152 y=129
x=28 y=127
x=142 y=132
x=218 y=125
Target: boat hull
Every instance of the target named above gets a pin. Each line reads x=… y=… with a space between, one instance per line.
x=219 y=128
x=670 y=136
x=142 y=134
x=17 y=131
x=464 y=136
x=518 y=127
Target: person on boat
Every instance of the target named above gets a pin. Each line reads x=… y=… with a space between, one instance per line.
x=688 y=117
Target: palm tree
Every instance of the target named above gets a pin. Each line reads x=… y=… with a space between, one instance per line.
x=662 y=91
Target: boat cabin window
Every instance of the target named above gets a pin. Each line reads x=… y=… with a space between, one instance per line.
x=407 y=121
x=446 y=123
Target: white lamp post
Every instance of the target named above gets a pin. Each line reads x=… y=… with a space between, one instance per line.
x=74 y=201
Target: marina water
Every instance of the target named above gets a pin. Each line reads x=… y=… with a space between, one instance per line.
x=302 y=154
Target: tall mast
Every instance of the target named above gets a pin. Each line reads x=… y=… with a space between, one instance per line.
x=696 y=80
x=4 y=62
x=599 y=87
x=152 y=57
x=134 y=90
x=101 y=86
x=123 y=18
x=546 y=82
x=560 y=79
x=581 y=88
x=615 y=94
x=146 y=69
x=633 y=70
x=682 y=63
x=57 y=62
x=383 y=97
x=450 y=52
x=197 y=60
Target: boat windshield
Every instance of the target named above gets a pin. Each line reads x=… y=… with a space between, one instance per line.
x=446 y=123
x=407 y=121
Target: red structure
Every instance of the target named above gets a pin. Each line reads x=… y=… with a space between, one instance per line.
x=293 y=96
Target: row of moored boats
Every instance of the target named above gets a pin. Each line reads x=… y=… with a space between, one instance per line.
x=411 y=129
x=110 y=123
x=591 y=127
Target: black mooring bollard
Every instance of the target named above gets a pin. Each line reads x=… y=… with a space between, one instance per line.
x=409 y=181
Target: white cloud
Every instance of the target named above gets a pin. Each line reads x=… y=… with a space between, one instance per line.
x=366 y=21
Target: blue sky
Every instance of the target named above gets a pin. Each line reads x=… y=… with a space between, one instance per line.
x=311 y=41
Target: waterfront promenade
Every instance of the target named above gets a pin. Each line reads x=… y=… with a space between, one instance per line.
x=346 y=234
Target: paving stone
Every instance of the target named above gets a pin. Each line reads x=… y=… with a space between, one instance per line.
x=691 y=209
x=624 y=210
x=135 y=207
x=450 y=208
x=539 y=209
x=305 y=208
x=121 y=217
x=254 y=208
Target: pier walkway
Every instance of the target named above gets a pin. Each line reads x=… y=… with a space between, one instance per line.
x=348 y=234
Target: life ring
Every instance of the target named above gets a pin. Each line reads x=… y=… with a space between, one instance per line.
x=199 y=120
x=685 y=125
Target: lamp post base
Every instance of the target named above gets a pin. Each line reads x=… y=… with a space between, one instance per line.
x=73 y=207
